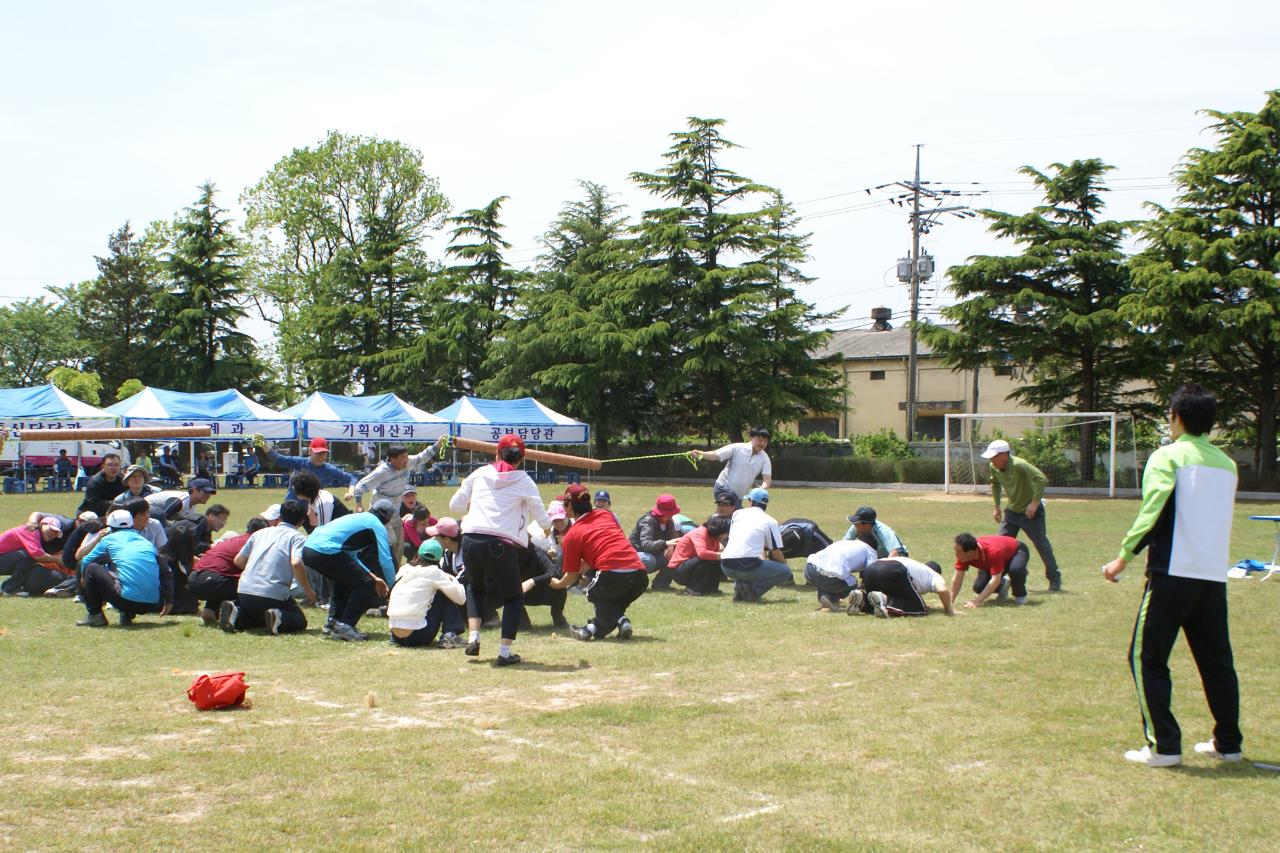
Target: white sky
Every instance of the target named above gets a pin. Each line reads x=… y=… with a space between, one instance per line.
x=119 y=111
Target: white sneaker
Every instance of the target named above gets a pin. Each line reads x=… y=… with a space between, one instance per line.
x=1021 y=599
x=1002 y=593
x=1152 y=759
x=879 y=603
x=1208 y=748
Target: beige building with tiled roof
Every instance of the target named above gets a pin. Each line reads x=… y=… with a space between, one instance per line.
x=874 y=366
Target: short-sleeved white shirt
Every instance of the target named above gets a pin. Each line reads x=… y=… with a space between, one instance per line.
x=843 y=558
x=270 y=553
x=751 y=532
x=743 y=468
x=923 y=578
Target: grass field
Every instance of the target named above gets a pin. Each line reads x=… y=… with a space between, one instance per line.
x=719 y=726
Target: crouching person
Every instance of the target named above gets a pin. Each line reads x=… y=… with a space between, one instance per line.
x=595 y=541
x=416 y=612
x=897 y=586
x=271 y=560
x=834 y=570
x=124 y=570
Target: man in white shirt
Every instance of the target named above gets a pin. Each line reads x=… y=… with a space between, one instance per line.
x=754 y=533
x=896 y=586
x=747 y=461
x=834 y=570
x=272 y=561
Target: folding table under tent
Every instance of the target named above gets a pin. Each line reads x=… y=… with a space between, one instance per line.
x=378 y=417
x=45 y=407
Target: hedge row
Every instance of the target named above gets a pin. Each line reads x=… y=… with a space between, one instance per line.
x=838 y=469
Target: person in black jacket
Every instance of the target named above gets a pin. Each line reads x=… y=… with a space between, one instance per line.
x=654 y=538
x=103 y=486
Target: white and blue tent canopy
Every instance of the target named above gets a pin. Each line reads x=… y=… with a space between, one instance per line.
x=230 y=415
x=378 y=417
x=46 y=407
x=489 y=420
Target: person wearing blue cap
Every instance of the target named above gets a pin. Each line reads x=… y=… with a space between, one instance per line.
x=603 y=502
x=754 y=533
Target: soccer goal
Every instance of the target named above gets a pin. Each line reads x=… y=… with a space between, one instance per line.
x=1079 y=450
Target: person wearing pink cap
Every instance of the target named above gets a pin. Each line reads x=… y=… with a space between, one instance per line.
x=540 y=565
x=498 y=500
x=655 y=537
x=448 y=533
x=23 y=557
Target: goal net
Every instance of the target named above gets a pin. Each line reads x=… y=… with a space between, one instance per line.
x=1085 y=450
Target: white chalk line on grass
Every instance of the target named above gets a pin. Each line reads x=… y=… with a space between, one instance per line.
x=767 y=806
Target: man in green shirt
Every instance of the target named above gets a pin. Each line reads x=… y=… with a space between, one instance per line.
x=1023 y=485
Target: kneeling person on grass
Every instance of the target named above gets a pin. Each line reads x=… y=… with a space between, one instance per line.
x=897 y=587
x=754 y=532
x=833 y=571
x=595 y=541
x=1001 y=562
x=123 y=570
x=416 y=612
x=271 y=560
x=695 y=563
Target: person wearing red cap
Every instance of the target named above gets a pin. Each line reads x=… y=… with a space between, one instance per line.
x=498 y=500
x=595 y=541
x=655 y=537
x=316 y=461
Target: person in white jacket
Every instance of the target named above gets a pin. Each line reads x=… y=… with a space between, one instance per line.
x=415 y=611
x=499 y=500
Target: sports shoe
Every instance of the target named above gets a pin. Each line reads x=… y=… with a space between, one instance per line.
x=227 y=614
x=624 y=628
x=742 y=591
x=126 y=619
x=1208 y=748
x=582 y=633
x=271 y=619
x=1020 y=599
x=1152 y=759
x=343 y=631
x=827 y=603
x=328 y=627
x=1055 y=585
x=93 y=620
x=1003 y=593
x=473 y=648
x=451 y=641
x=59 y=592
x=856 y=598
x=879 y=603
x=509 y=660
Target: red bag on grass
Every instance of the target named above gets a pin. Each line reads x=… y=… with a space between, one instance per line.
x=220 y=690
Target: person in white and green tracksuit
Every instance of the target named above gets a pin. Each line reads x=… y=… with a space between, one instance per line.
x=1188 y=492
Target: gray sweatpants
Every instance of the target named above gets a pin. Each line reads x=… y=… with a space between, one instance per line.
x=1035 y=530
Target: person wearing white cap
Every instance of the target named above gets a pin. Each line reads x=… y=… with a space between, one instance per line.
x=132 y=577
x=271 y=515
x=1023 y=486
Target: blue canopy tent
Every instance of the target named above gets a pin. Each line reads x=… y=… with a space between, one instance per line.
x=45 y=407
x=230 y=415
x=379 y=417
x=489 y=420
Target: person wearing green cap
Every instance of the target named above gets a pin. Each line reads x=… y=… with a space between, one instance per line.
x=415 y=612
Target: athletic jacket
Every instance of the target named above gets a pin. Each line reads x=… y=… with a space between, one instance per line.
x=354 y=533
x=500 y=503
x=1188 y=493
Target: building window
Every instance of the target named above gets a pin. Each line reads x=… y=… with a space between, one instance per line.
x=877 y=374
x=1004 y=370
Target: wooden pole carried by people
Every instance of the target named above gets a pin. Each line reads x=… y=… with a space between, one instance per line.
x=107 y=433
x=563 y=459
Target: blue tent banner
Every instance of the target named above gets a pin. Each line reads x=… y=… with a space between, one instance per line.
x=230 y=415
x=489 y=420
x=378 y=417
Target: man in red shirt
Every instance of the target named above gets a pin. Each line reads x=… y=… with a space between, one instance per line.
x=215 y=577
x=1001 y=562
x=595 y=541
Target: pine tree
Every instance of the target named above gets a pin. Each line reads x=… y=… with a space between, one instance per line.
x=202 y=314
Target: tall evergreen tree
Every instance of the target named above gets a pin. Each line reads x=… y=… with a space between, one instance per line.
x=1209 y=281
x=35 y=337
x=1053 y=310
x=702 y=271
x=203 y=346
x=573 y=344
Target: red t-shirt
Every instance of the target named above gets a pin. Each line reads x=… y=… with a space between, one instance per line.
x=695 y=543
x=597 y=540
x=995 y=554
x=221 y=558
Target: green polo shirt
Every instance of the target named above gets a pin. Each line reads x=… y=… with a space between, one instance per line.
x=1021 y=481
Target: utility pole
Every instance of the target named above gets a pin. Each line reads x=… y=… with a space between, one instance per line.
x=915 y=301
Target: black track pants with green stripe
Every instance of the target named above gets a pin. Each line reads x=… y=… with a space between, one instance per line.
x=1199 y=609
